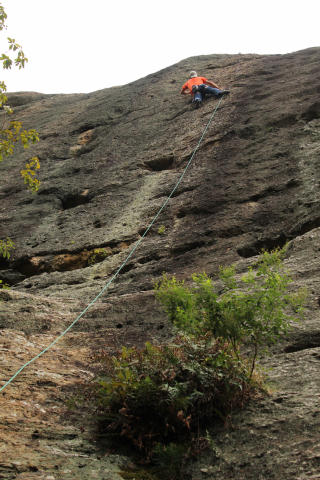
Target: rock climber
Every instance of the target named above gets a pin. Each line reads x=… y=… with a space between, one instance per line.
x=199 y=87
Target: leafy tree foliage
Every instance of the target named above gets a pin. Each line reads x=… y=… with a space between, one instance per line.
x=12 y=132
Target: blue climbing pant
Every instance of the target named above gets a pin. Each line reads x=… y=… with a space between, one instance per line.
x=200 y=91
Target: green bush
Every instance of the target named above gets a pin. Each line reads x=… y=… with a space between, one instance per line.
x=256 y=307
x=164 y=394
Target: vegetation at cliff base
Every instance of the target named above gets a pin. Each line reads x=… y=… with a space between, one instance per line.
x=162 y=398
x=163 y=392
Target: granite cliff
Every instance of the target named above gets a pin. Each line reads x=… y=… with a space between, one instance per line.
x=108 y=161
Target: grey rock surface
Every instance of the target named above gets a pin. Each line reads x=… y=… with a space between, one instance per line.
x=108 y=161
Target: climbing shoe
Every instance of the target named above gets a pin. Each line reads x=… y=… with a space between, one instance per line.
x=197 y=103
x=224 y=92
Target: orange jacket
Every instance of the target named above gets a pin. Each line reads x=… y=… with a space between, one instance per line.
x=193 y=81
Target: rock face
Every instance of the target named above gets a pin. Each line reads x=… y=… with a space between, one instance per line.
x=108 y=161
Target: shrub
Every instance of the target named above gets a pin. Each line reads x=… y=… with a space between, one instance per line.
x=256 y=308
x=164 y=394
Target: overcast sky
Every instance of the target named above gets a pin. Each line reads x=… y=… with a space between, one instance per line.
x=82 y=46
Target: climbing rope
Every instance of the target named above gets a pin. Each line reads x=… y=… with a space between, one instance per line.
x=125 y=261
